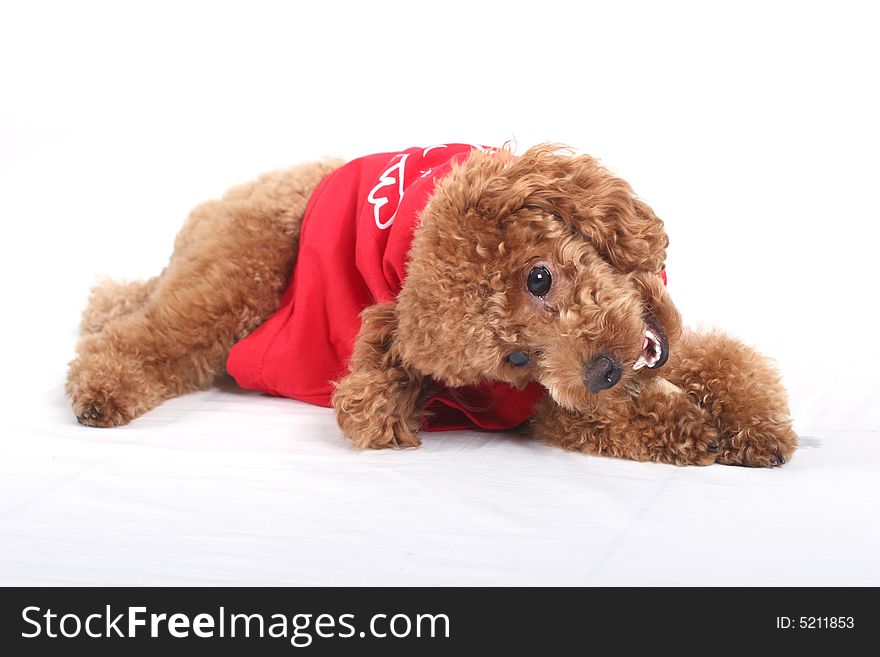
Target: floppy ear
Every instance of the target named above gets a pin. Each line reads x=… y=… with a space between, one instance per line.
x=588 y=198
x=659 y=305
x=451 y=309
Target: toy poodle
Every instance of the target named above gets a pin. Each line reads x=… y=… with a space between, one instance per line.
x=447 y=287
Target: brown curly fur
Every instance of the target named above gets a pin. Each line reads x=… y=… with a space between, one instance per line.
x=144 y=343
x=462 y=310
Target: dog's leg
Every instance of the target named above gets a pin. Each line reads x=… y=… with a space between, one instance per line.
x=659 y=424
x=742 y=392
x=110 y=300
x=379 y=403
x=231 y=262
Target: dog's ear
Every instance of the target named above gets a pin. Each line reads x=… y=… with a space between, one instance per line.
x=586 y=197
x=658 y=304
x=452 y=307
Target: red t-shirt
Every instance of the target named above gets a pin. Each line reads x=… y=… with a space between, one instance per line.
x=355 y=238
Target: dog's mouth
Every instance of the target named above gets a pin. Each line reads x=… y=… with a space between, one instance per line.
x=655 y=347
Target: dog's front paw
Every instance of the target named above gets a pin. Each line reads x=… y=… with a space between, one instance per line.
x=672 y=429
x=660 y=425
x=373 y=423
x=692 y=440
x=104 y=387
x=377 y=409
x=372 y=427
x=378 y=434
x=765 y=444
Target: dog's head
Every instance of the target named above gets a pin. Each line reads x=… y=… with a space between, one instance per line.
x=545 y=268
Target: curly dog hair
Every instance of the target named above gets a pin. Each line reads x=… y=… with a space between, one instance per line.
x=539 y=268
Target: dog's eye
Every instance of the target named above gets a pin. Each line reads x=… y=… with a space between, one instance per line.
x=539 y=281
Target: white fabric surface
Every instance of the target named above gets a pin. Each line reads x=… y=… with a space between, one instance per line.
x=753 y=133
x=229 y=487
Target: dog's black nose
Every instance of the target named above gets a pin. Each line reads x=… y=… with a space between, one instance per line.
x=603 y=372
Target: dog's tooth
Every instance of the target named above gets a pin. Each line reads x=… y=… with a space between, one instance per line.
x=640 y=363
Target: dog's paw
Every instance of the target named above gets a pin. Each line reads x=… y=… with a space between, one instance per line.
x=766 y=444
x=381 y=435
x=100 y=411
x=106 y=389
x=681 y=433
x=376 y=413
x=696 y=442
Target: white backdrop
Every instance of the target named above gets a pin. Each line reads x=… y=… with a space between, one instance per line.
x=752 y=130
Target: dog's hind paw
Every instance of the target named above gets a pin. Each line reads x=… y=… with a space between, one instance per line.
x=101 y=413
x=105 y=388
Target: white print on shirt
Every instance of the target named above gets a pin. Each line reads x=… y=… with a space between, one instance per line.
x=394 y=175
x=386 y=180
